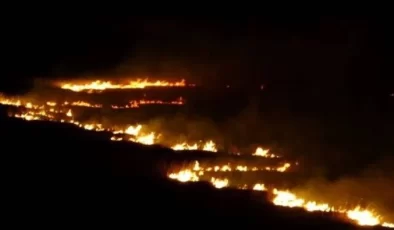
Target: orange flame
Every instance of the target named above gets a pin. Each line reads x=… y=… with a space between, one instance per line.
x=105 y=85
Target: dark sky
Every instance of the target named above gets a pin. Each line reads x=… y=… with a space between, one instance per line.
x=321 y=53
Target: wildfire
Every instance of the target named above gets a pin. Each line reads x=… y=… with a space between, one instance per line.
x=105 y=85
x=61 y=112
x=132 y=104
x=196 y=167
x=362 y=217
x=64 y=113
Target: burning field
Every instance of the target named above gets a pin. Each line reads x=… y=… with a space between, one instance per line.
x=127 y=111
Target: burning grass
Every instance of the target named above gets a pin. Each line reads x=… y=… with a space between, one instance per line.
x=220 y=173
x=99 y=86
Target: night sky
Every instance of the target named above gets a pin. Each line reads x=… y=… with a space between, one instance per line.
x=319 y=55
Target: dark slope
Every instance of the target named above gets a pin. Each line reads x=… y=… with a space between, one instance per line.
x=56 y=175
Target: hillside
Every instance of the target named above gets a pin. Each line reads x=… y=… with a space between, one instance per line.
x=57 y=174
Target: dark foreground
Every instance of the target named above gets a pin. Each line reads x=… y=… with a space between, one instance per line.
x=57 y=175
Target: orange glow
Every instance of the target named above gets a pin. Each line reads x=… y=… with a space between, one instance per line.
x=65 y=112
x=99 y=85
x=285 y=198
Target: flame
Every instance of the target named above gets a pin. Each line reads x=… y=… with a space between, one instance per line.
x=184 y=176
x=219 y=183
x=84 y=104
x=200 y=170
x=132 y=104
x=69 y=113
x=131 y=130
x=260 y=152
x=60 y=112
x=184 y=146
x=138 y=103
x=388 y=225
x=285 y=198
x=209 y=146
x=105 y=85
x=137 y=135
x=363 y=217
x=259 y=187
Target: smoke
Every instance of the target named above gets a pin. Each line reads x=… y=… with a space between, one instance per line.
x=338 y=152
x=372 y=188
x=341 y=164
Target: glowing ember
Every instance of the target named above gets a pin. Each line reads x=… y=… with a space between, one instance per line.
x=138 y=103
